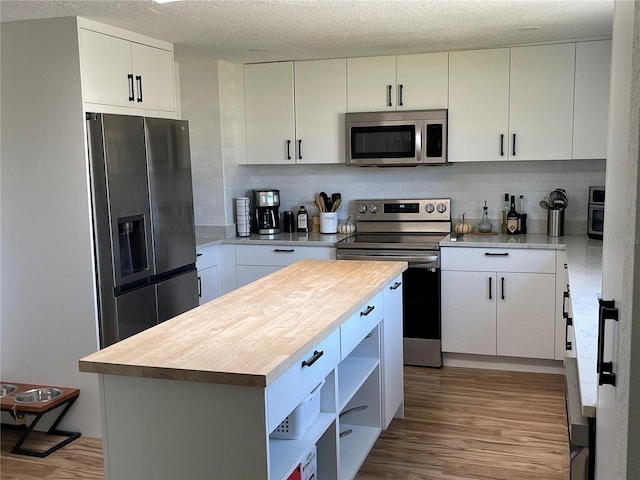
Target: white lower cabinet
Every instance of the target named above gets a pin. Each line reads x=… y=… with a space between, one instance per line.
x=256 y=261
x=207 y=263
x=499 y=302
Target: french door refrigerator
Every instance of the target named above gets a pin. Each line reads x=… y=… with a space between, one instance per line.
x=143 y=222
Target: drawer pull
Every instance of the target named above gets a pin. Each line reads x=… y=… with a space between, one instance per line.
x=354 y=409
x=395 y=286
x=489 y=254
x=367 y=311
x=316 y=355
x=284 y=250
x=348 y=431
x=198 y=254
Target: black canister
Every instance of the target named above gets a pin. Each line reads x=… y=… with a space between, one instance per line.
x=287 y=222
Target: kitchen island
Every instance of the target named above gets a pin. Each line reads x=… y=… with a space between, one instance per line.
x=199 y=395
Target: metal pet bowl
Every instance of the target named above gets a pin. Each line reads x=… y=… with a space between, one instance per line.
x=38 y=395
x=7 y=389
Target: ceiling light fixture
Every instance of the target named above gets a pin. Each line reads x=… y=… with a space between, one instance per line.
x=532 y=28
x=166 y=1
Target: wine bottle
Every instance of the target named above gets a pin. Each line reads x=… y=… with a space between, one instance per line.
x=505 y=209
x=512 y=218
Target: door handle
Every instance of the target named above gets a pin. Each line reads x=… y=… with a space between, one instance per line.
x=567 y=343
x=199 y=287
x=299 y=149
x=139 y=82
x=288 y=149
x=513 y=145
x=502 y=281
x=389 y=103
x=502 y=144
x=395 y=286
x=490 y=288
x=608 y=311
x=400 y=88
x=131 y=92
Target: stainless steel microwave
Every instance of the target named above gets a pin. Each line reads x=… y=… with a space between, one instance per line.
x=407 y=138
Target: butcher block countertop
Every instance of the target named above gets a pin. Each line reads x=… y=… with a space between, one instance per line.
x=253 y=334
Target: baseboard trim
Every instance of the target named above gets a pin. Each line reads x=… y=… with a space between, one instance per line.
x=503 y=363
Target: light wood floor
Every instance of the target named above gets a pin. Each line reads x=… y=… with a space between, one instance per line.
x=460 y=424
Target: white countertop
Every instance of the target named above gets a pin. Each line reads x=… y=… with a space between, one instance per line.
x=585 y=279
x=295 y=238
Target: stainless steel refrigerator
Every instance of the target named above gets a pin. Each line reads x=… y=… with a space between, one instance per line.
x=143 y=222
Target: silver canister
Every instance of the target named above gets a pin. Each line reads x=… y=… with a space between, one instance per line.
x=555 y=222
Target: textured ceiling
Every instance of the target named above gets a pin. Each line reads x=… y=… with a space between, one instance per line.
x=267 y=30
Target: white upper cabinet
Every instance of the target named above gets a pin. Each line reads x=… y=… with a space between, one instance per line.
x=478 y=105
x=511 y=104
x=119 y=73
x=371 y=84
x=591 y=107
x=406 y=82
x=541 y=102
x=422 y=81
x=295 y=112
x=321 y=101
x=270 y=114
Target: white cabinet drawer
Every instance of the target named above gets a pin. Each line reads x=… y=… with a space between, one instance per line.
x=499 y=260
x=280 y=255
x=295 y=384
x=207 y=256
x=360 y=324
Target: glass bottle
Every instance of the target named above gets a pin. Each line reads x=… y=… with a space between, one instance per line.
x=505 y=210
x=485 y=225
x=512 y=218
x=302 y=220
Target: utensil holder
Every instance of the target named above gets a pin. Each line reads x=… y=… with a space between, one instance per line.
x=328 y=222
x=555 y=223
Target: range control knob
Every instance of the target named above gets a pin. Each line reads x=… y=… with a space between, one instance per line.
x=442 y=208
x=429 y=208
x=373 y=208
x=362 y=208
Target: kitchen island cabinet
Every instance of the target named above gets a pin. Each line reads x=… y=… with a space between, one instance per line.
x=199 y=395
x=207 y=264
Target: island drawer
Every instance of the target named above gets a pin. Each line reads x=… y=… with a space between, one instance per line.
x=295 y=384
x=207 y=256
x=280 y=255
x=360 y=324
x=499 y=260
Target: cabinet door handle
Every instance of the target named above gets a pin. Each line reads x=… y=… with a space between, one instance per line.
x=567 y=344
x=502 y=281
x=400 y=88
x=565 y=295
x=608 y=311
x=316 y=355
x=389 y=103
x=513 y=145
x=139 y=82
x=502 y=144
x=490 y=288
x=284 y=250
x=199 y=287
x=367 y=311
x=288 y=149
x=489 y=254
x=299 y=149
x=131 y=92
x=198 y=254
x=395 y=286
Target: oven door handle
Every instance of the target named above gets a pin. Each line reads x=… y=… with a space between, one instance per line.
x=415 y=261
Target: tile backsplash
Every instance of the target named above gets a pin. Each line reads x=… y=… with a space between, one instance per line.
x=467 y=184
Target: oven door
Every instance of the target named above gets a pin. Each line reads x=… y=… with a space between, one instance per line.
x=420 y=301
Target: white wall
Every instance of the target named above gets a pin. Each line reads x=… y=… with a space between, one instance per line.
x=468 y=184
x=48 y=307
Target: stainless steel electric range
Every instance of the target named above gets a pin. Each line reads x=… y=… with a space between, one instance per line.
x=408 y=230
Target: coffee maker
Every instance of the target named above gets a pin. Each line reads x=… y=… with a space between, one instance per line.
x=266 y=218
